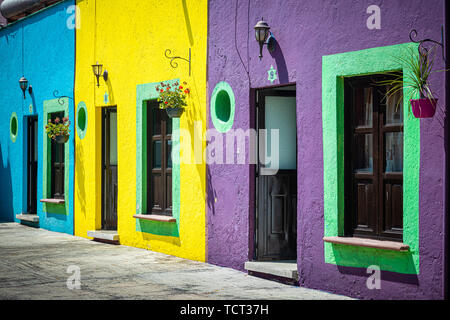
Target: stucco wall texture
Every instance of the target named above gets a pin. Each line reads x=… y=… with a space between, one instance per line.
x=129 y=38
x=305 y=32
x=42 y=48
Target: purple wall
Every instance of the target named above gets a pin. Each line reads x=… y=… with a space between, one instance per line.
x=305 y=31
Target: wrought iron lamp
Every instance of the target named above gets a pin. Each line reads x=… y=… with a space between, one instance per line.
x=97 y=68
x=264 y=37
x=23 y=82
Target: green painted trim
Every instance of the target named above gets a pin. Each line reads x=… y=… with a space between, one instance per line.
x=334 y=69
x=11 y=134
x=82 y=132
x=220 y=88
x=51 y=106
x=144 y=93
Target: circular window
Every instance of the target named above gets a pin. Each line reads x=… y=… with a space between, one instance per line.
x=13 y=126
x=222 y=107
x=82 y=120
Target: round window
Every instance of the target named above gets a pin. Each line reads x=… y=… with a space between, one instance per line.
x=82 y=120
x=222 y=107
x=13 y=127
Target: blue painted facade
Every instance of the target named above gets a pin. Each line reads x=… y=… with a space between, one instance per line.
x=40 y=47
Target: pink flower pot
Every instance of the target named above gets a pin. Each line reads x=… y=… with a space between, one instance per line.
x=423 y=108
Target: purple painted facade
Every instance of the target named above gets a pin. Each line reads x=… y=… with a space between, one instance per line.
x=305 y=31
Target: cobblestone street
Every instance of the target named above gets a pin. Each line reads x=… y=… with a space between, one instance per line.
x=34 y=263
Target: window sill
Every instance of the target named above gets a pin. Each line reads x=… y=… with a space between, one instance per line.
x=54 y=201
x=370 y=243
x=155 y=217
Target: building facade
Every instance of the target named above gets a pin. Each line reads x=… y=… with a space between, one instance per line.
x=126 y=182
x=290 y=160
x=36 y=173
x=362 y=167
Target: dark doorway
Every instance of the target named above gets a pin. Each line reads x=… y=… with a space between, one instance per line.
x=276 y=181
x=32 y=157
x=57 y=164
x=109 y=168
x=373 y=159
x=159 y=148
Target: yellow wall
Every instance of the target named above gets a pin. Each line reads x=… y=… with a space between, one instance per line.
x=129 y=38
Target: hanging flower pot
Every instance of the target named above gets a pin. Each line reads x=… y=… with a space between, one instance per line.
x=61 y=139
x=58 y=129
x=174 y=112
x=423 y=108
x=172 y=98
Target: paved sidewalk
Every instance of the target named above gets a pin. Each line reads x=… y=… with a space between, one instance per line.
x=33 y=265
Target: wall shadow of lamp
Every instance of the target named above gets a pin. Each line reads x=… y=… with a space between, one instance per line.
x=97 y=68
x=23 y=82
x=264 y=37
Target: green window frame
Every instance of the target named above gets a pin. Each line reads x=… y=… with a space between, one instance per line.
x=146 y=92
x=334 y=69
x=52 y=106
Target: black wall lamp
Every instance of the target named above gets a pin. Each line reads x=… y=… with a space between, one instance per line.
x=264 y=37
x=97 y=68
x=23 y=82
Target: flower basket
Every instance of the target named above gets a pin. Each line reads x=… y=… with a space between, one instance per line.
x=174 y=112
x=423 y=108
x=58 y=130
x=62 y=139
x=172 y=98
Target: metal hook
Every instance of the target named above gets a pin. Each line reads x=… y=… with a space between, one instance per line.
x=173 y=63
x=413 y=35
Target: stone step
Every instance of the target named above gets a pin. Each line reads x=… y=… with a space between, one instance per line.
x=28 y=217
x=108 y=235
x=284 y=268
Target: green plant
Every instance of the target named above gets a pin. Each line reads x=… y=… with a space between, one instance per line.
x=172 y=96
x=418 y=69
x=57 y=128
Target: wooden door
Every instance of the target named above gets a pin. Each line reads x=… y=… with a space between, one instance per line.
x=276 y=214
x=57 y=164
x=109 y=172
x=374 y=160
x=159 y=148
x=32 y=157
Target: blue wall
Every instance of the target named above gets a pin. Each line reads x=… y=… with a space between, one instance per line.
x=48 y=63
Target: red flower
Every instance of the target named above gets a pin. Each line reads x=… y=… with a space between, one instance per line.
x=181 y=87
x=165 y=102
x=162 y=90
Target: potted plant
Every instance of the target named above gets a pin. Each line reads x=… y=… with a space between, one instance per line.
x=172 y=98
x=58 y=130
x=420 y=68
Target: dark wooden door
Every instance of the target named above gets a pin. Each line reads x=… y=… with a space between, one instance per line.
x=57 y=163
x=159 y=137
x=109 y=172
x=32 y=157
x=374 y=160
x=276 y=214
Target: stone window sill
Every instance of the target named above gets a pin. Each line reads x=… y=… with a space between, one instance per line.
x=370 y=243
x=54 y=201
x=155 y=217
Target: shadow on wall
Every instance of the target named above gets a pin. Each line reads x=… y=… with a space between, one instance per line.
x=385 y=275
x=282 y=71
x=211 y=196
x=6 y=207
x=81 y=192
